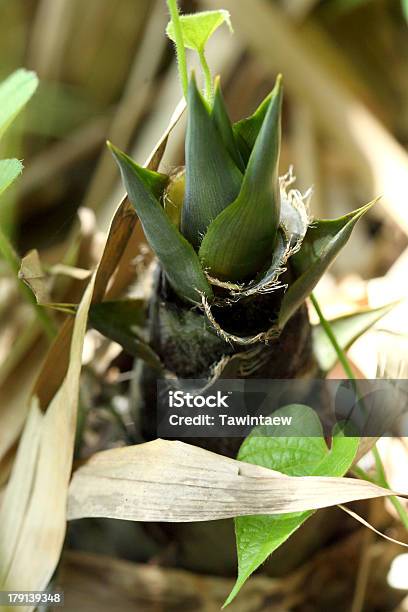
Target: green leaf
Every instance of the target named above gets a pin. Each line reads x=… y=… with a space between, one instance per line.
x=246 y=131
x=347 y=330
x=176 y=255
x=198 y=28
x=300 y=455
x=212 y=179
x=123 y=322
x=10 y=169
x=323 y=241
x=242 y=237
x=222 y=121
x=15 y=92
x=405 y=9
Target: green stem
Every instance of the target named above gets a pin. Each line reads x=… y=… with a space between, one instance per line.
x=11 y=257
x=342 y=357
x=382 y=480
x=207 y=76
x=179 y=42
x=329 y=333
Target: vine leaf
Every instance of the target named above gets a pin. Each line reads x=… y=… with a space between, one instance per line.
x=198 y=28
x=305 y=453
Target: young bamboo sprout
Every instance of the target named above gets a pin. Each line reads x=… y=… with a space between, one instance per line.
x=237 y=255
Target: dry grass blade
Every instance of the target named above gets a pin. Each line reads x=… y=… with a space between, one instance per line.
x=173 y=481
x=16 y=497
x=32 y=546
x=358 y=518
x=50 y=35
x=15 y=396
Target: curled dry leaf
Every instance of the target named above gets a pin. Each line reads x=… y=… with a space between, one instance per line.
x=176 y=482
x=32 y=273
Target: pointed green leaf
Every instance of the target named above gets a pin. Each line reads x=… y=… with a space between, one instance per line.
x=198 y=28
x=323 y=241
x=242 y=237
x=246 y=131
x=176 y=255
x=15 y=92
x=123 y=323
x=303 y=454
x=212 y=179
x=222 y=121
x=10 y=169
x=347 y=330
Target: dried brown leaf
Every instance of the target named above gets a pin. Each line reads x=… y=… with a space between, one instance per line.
x=176 y=482
x=31 y=545
x=32 y=273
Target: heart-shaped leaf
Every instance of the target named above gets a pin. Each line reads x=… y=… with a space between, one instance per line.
x=177 y=257
x=323 y=241
x=15 y=92
x=242 y=237
x=198 y=28
x=305 y=453
x=213 y=180
x=347 y=330
x=10 y=169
